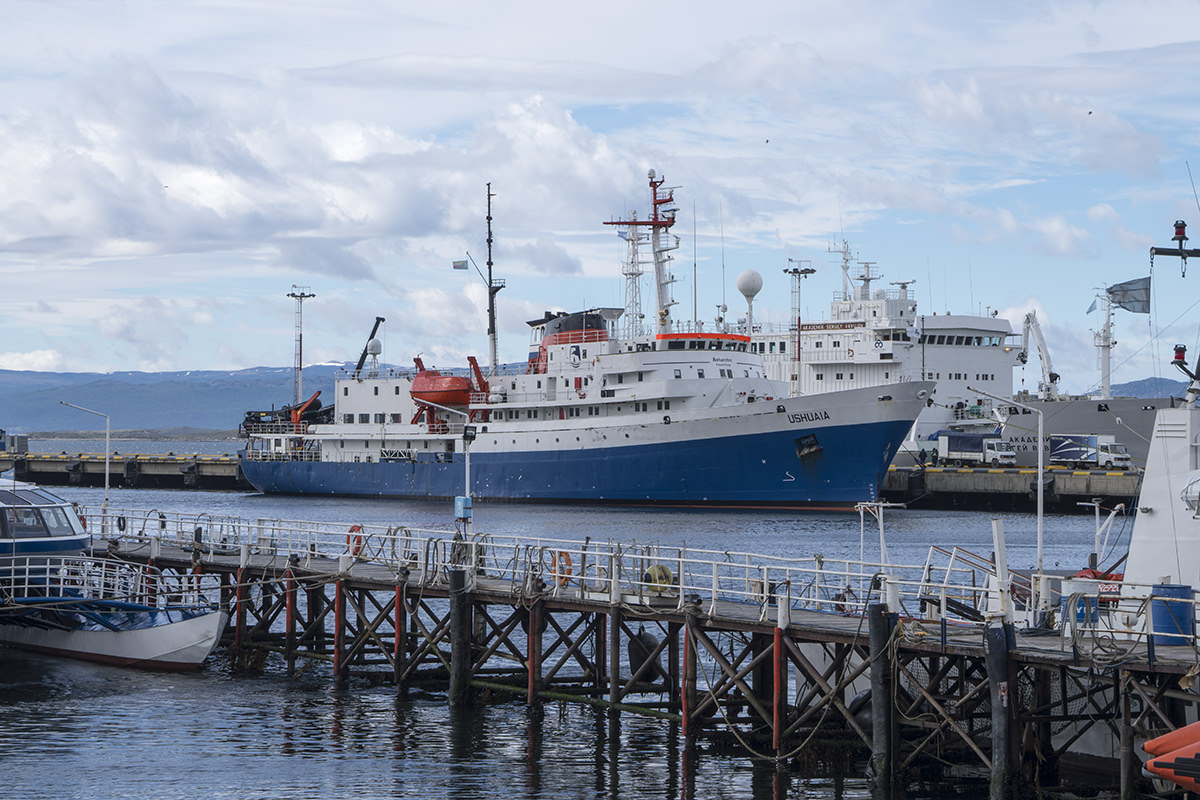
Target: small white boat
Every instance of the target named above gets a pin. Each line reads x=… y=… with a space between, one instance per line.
x=53 y=599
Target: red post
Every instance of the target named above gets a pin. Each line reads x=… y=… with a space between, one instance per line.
x=339 y=629
x=779 y=692
x=289 y=588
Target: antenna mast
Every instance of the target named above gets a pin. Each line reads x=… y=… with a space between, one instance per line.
x=300 y=293
x=494 y=286
x=662 y=217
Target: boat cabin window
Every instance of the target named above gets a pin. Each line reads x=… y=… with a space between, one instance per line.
x=364 y=417
x=24 y=523
x=699 y=373
x=347 y=418
x=678 y=374
x=675 y=344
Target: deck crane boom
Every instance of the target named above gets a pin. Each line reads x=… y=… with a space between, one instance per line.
x=1048 y=388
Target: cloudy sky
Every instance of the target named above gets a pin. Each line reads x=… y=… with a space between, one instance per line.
x=168 y=171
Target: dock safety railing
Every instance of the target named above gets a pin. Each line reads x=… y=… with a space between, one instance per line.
x=953 y=585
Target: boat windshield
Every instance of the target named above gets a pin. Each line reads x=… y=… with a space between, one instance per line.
x=35 y=523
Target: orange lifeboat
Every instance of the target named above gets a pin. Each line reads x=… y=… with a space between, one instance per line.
x=444 y=390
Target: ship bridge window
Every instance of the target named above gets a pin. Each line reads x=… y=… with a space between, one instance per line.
x=345 y=391
x=364 y=417
x=678 y=374
x=348 y=418
x=675 y=344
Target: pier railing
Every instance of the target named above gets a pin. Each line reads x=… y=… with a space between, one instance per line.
x=952 y=586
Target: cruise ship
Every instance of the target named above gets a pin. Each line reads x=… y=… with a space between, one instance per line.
x=876 y=337
x=612 y=406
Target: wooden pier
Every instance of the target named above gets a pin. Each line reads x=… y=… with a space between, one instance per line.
x=766 y=655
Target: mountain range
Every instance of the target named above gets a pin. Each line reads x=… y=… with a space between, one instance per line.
x=31 y=402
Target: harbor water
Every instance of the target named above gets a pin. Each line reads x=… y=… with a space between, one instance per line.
x=72 y=729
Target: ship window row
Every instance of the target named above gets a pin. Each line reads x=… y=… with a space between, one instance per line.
x=768 y=347
x=708 y=344
x=837 y=376
x=970 y=341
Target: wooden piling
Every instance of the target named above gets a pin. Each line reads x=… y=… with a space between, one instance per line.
x=400 y=643
x=460 y=638
x=1004 y=701
x=614 y=655
x=339 y=632
x=883 y=744
x=533 y=658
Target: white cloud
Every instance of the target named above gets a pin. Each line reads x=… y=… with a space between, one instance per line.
x=34 y=360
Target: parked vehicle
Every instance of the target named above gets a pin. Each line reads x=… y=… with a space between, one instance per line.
x=1088 y=451
x=969 y=449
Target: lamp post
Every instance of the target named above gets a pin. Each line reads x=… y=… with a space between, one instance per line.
x=468 y=434
x=1041 y=467
x=107 y=449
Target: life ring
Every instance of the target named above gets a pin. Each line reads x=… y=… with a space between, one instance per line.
x=562 y=567
x=121 y=524
x=850 y=352
x=354 y=540
x=82 y=518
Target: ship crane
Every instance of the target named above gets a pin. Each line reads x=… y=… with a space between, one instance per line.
x=1048 y=388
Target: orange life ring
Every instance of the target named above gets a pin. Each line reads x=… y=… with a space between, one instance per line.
x=354 y=540
x=562 y=567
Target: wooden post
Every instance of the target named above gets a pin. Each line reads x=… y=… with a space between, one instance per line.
x=674 y=681
x=1004 y=699
x=600 y=648
x=400 y=644
x=883 y=755
x=688 y=697
x=1130 y=763
x=614 y=655
x=289 y=644
x=779 y=688
x=533 y=652
x=339 y=631
x=239 y=634
x=460 y=639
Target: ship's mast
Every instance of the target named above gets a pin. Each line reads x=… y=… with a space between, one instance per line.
x=300 y=294
x=494 y=286
x=662 y=217
x=1104 y=346
x=632 y=270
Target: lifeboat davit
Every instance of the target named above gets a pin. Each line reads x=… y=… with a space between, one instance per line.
x=444 y=390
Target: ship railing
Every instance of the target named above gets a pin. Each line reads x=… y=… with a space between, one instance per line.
x=275 y=428
x=72 y=583
x=303 y=454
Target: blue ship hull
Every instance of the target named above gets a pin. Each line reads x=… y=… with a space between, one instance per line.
x=756 y=470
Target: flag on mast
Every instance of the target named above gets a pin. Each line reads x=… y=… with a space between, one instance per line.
x=1132 y=295
x=460 y=264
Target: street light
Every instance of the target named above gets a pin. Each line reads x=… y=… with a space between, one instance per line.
x=1041 y=442
x=107 y=449
x=468 y=434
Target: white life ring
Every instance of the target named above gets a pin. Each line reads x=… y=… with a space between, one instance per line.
x=850 y=352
